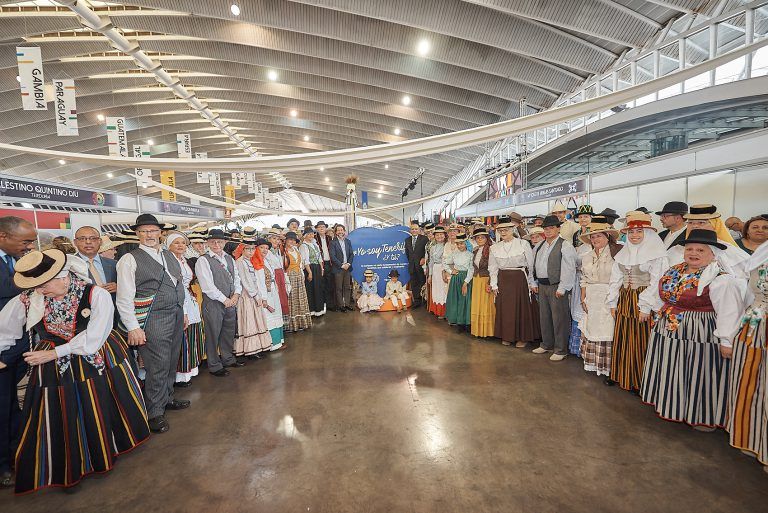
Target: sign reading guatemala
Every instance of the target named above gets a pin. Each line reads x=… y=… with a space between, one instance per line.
x=381 y=250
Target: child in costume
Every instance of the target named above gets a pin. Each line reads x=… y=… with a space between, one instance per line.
x=369 y=300
x=396 y=292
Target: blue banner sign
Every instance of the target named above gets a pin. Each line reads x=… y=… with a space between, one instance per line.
x=381 y=250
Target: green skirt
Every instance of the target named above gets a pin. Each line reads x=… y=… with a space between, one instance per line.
x=458 y=308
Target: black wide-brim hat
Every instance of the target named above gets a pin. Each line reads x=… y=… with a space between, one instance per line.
x=674 y=207
x=147 y=220
x=263 y=242
x=394 y=273
x=609 y=214
x=308 y=230
x=293 y=220
x=217 y=234
x=707 y=237
x=551 y=221
x=321 y=223
x=292 y=236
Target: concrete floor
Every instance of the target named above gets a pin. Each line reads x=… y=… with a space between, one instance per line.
x=399 y=413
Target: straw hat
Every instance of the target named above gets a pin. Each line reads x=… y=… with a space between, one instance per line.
x=440 y=229
x=536 y=230
x=559 y=207
x=36 y=268
x=703 y=211
x=197 y=237
x=369 y=272
x=275 y=232
x=107 y=244
x=479 y=232
x=637 y=219
x=605 y=228
x=510 y=221
x=461 y=237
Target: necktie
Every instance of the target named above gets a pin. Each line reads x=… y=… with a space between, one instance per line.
x=9 y=261
x=95 y=273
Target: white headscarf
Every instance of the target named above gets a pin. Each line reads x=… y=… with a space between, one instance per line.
x=172 y=237
x=650 y=248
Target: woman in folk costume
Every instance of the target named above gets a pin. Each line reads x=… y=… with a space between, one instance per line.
x=510 y=269
x=685 y=377
x=299 y=317
x=263 y=263
x=483 y=307
x=192 y=342
x=597 y=324
x=313 y=269
x=276 y=259
x=83 y=405
x=369 y=300
x=583 y=217
x=458 y=269
x=438 y=287
x=636 y=272
x=706 y=217
x=253 y=335
x=748 y=397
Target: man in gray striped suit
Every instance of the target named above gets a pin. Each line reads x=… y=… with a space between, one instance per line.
x=150 y=299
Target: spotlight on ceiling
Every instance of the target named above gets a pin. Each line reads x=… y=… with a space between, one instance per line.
x=18 y=78
x=100 y=117
x=322 y=169
x=150 y=142
x=306 y=138
x=228 y=182
x=327 y=179
x=423 y=47
x=386 y=166
x=330 y=188
x=378 y=196
x=62 y=162
x=406 y=100
x=272 y=75
x=235 y=9
x=397 y=131
x=294 y=113
x=110 y=175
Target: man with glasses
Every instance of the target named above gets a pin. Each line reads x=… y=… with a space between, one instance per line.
x=672 y=220
x=101 y=270
x=150 y=299
x=17 y=238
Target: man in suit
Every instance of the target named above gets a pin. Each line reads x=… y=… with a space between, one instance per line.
x=341 y=267
x=102 y=271
x=671 y=217
x=324 y=240
x=17 y=237
x=415 y=250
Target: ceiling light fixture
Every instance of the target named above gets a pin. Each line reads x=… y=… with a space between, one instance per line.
x=235 y=9
x=62 y=162
x=100 y=117
x=18 y=79
x=228 y=182
x=397 y=131
x=406 y=100
x=306 y=138
x=327 y=179
x=423 y=47
x=272 y=75
x=322 y=169
x=294 y=113
x=330 y=188
x=386 y=166
x=150 y=142
x=378 y=196
x=110 y=175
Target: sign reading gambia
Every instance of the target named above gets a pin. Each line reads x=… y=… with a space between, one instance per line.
x=381 y=250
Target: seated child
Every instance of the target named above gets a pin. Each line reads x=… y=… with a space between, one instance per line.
x=369 y=300
x=396 y=291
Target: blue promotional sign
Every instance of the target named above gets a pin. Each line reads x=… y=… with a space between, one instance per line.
x=381 y=250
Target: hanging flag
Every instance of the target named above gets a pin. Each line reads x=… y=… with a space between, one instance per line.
x=31 y=78
x=202 y=176
x=250 y=182
x=184 y=145
x=64 y=104
x=229 y=193
x=168 y=178
x=215 y=180
x=117 y=138
x=142 y=151
x=364 y=199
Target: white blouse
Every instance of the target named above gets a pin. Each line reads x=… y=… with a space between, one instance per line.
x=191 y=310
x=461 y=261
x=596 y=269
x=247 y=277
x=13 y=318
x=509 y=255
x=649 y=298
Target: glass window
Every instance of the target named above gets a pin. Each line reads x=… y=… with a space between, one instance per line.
x=697 y=48
x=669 y=58
x=606 y=85
x=761 y=23
x=625 y=77
x=760 y=61
x=645 y=69
x=731 y=33
x=731 y=71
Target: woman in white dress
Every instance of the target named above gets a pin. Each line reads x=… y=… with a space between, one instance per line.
x=252 y=333
x=269 y=291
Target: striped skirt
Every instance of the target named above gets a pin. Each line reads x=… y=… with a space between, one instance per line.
x=78 y=417
x=748 y=401
x=482 y=308
x=458 y=306
x=630 y=340
x=299 y=317
x=684 y=378
x=192 y=351
x=252 y=334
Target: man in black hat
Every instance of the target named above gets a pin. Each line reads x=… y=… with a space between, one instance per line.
x=17 y=238
x=220 y=282
x=554 y=273
x=415 y=251
x=610 y=215
x=293 y=225
x=150 y=299
x=324 y=242
x=672 y=220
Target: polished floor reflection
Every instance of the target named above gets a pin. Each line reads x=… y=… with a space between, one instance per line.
x=399 y=413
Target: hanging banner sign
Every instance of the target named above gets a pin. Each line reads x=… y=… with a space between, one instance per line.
x=202 y=176
x=31 y=78
x=184 y=145
x=571 y=188
x=117 y=137
x=13 y=188
x=142 y=151
x=229 y=193
x=168 y=178
x=381 y=250
x=66 y=109
x=215 y=180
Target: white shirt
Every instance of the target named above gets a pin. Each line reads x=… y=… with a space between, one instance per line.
x=649 y=298
x=343 y=249
x=671 y=236
x=567 y=264
x=126 y=284
x=13 y=318
x=205 y=277
x=511 y=254
x=324 y=248
x=247 y=277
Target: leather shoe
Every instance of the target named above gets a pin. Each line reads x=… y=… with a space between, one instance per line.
x=236 y=364
x=349 y=309
x=178 y=404
x=182 y=384
x=221 y=373
x=158 y=424
x=7 y=480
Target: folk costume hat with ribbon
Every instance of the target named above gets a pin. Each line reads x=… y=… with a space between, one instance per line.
x=593 y=227
x=559 y=207
x=440 y=229
x=512 y=220
x=701 y=212
x=609 y=214
x=479 y=232
x=197 y=237
x=107 y=243
x=461 y=237
x=308 y=230
x=369 y=272
x=38 y=268
x=536 y=230
x=637 y=219
x=707 y=237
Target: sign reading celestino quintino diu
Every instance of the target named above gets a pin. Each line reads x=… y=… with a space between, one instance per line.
x=13 y=188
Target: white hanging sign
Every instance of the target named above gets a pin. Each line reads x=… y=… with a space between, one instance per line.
x=215 y=181
x=117 y=137
x=184 y=145
x=250 y=182
x=142 y=151
x=235 y=180
x=202 y=176
x=31 y=78
x=65 y=107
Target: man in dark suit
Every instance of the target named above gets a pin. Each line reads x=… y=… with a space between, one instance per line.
x=416 y=250
x=341 y=267
x=324 y=241
x=17 y=237
x=102 y=271
x=672 y=219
